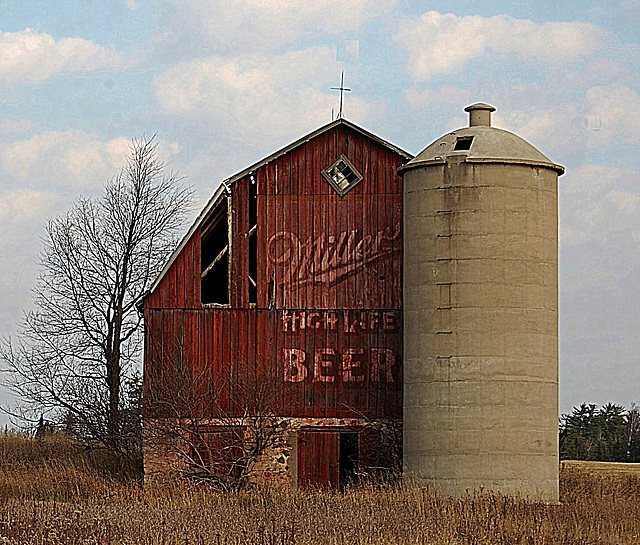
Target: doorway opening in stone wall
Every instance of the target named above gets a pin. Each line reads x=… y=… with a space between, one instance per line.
x=349 y=460
x=328 y=459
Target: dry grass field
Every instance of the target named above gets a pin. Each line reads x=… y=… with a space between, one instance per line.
x=52 y=492
x=602 y=468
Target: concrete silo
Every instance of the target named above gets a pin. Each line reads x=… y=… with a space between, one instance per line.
x=481 y=313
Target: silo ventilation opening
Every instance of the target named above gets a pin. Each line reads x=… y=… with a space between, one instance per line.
x=463 y=143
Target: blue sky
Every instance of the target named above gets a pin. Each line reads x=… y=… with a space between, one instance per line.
x=223 y=83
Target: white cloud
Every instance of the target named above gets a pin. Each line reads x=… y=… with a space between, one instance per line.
x=604 y=115
x=443 y=43
x=598 y=203
x=626 y=202
x=555 y=129
x=348 y=50
x=30 y=57
x=73 y=160
x=613 y=112
x=22 y=218
x=25 y=205
x=65 y=159
x=270 y=23
x=16 y=126
x=447 y=95
x=259 y=98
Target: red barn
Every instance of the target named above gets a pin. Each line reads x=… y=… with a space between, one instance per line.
x=281 y=308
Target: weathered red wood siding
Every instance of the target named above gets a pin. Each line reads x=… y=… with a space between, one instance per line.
x=180 y=287
x=329 y=294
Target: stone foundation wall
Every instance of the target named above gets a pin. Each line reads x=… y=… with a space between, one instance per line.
x=165 y=458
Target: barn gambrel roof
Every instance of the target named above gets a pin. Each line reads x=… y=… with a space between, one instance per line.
x=225 y=184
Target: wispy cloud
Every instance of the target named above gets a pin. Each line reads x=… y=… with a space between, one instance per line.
x=272 y=23
x=22 y=214
x=440 y=43
x=259 y=97
x=613 y=112
x=17 y=126
x=67 y=160
x=599 y=203
x=29 y=57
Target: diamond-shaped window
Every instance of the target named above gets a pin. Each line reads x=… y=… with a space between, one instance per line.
x=342 y=175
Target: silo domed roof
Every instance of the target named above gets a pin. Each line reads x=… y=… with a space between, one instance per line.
x=481 y=143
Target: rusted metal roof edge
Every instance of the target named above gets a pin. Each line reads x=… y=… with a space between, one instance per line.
x=226 y=183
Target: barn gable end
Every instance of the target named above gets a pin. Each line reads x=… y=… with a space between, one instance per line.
x=314 y=297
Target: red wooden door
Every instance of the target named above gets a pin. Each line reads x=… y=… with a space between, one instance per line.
x=319 y=459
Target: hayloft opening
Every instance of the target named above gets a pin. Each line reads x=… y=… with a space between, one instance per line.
x=463 y=143
x=214 y=247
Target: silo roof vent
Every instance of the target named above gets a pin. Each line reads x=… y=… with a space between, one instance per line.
x=480 y=114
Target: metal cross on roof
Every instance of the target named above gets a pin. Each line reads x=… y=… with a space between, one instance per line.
x=342 y=89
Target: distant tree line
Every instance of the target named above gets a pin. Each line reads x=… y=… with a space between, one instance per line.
x=610 y=433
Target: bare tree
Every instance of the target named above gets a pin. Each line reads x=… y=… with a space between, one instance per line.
x=218 y=428
x=77 y=350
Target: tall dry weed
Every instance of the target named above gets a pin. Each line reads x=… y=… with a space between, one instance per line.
x=45 y=499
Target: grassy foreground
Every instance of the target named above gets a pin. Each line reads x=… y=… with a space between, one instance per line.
x=52 y=492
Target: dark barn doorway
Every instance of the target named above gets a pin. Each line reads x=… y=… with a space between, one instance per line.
x=349 y=459
x=328 y=459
